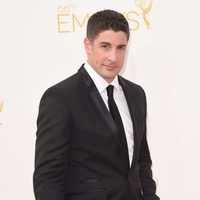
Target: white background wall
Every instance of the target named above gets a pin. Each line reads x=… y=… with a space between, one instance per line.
x=164 y=60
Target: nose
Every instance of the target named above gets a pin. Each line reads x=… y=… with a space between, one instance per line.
x=113 y=56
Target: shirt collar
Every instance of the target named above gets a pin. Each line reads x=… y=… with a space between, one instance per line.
x=100 y=83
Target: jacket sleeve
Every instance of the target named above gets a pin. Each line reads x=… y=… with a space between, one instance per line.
x=145 y=163
x=52 y=147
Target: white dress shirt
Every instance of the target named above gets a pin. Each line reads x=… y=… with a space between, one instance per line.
x=120 y=100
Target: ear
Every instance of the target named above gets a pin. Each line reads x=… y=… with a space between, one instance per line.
x=87 y=45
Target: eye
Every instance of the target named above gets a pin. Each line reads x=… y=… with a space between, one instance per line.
x=105 y=46
x=122 y=47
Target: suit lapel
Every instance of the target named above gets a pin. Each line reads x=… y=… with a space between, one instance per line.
x=101 y=107
x=97 y=99
x=131 y=110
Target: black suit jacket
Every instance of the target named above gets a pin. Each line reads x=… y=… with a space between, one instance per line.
x=78 y=154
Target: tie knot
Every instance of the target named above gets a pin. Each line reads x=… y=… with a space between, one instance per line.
x=110 y=90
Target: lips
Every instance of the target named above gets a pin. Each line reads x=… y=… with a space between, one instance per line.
x=110 y=66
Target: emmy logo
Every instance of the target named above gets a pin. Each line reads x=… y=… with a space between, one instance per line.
x=64 y=10
x=68 y=21
x=1 y=108
x=145 y=6
x=63 y=15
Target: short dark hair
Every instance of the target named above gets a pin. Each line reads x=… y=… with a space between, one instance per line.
x=106 y=20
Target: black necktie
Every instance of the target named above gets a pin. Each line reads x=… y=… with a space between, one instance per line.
x=116 y=116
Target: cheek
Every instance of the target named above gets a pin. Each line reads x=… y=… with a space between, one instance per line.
x=100 y=57
x=121 y=58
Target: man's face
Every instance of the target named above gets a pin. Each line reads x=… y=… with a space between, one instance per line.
x=106 y=53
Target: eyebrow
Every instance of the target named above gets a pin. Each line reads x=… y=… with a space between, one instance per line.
x=107 y=43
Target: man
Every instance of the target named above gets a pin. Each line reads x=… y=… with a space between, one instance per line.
x=90 y=146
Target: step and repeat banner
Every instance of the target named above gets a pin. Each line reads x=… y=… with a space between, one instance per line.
x=41 y=43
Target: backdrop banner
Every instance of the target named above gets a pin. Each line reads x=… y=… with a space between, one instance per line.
x=41 y=43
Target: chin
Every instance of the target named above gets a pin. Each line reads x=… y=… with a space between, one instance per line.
x=109 y=79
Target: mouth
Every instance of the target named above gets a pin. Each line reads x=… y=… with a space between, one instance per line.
x=110 y=66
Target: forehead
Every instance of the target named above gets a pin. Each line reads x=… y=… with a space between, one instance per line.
x=112 y=37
